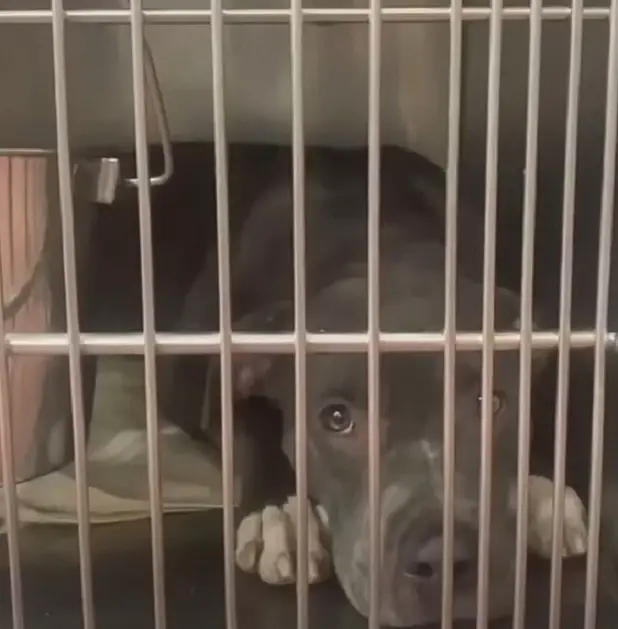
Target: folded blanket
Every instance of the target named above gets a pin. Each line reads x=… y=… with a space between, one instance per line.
x=117 y=461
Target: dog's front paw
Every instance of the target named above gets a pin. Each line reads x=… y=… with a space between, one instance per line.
x=540 y=519
x=266 y=544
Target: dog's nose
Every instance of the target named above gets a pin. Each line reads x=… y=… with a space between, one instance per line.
x=425 y=561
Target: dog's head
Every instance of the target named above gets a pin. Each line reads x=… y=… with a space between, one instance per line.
x=412 y=450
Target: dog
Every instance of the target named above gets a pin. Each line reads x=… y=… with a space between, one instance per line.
x=412 y=265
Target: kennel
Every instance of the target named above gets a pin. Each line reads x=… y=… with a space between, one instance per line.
x=501 y=84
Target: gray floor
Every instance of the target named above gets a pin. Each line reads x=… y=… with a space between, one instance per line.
x=194 y=583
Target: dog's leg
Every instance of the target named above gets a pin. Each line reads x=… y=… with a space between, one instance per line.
x=266 y=535
x=540 y=519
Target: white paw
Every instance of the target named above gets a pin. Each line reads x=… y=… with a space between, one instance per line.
x=540 y=519
x=266 y=543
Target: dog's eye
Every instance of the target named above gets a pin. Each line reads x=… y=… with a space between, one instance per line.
x=337 y=418
x=497 y=404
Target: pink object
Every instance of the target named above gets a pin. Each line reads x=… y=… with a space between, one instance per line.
x=26 y=297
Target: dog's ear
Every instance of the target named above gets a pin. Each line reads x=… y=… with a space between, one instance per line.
x=250 y=373
x=254 y=373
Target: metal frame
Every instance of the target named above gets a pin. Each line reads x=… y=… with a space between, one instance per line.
x=274 y=16
x=150 y=343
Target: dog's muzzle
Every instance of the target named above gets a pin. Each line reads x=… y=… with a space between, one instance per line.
x=411 y=571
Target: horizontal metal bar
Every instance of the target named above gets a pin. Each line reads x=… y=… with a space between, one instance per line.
x=210 y=343
x=24 y=152
x=275 y=16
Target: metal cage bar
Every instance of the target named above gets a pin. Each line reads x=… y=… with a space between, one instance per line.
x=526 y=323
x=566 y=280
x=489 y=289
x=300 y=326
x=450 y=310
x=603 y=277
x=373 y=311
x=148 y=315
x=9 y=487
x=271 y=16
x=225 y=312
x=167 y=343
x=72 y=311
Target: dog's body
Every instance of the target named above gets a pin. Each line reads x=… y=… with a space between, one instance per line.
x=411 y=417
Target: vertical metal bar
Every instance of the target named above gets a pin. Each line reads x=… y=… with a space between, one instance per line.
x=146 y=262
x=9 y=488
x=450 y=309
x=72 y=310
x=526 y=323
x=566 y=278
x=11 y=260
x=489 y=279
x=373 y=315
x=603 y=277
x=223 y=253
x=300 y=325
x=29 y=209
x=9 y=200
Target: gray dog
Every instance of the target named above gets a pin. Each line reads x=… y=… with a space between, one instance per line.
x=411 y=415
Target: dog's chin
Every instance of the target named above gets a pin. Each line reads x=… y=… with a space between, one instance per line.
x=406 y=603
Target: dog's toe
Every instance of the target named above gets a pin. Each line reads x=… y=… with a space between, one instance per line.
x=540 y=517
x=575 y=530
x=249 y=542
x=266 y=543
x=276 y=565
x=319 y=566
x=322 y=516
x=318 y=558
x=276 y=569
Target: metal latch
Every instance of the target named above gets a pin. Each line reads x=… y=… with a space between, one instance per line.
x=103 y=174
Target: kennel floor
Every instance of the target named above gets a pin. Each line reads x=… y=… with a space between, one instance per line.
x=122 y=581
